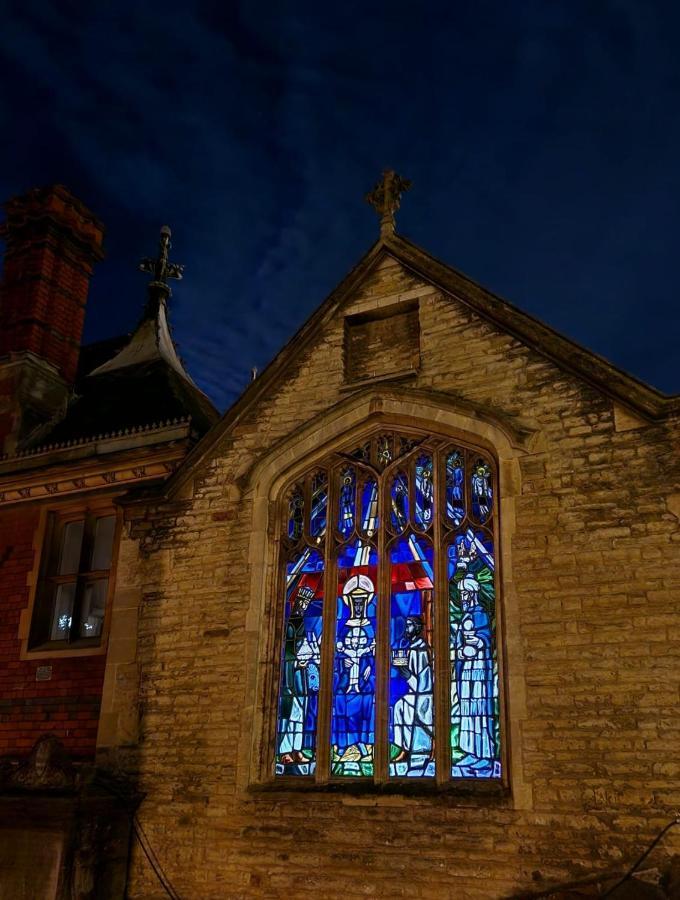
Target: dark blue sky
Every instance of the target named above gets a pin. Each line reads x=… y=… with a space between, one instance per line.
x=542 y=138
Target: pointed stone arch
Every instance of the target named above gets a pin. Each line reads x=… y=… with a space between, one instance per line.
x=433 y=414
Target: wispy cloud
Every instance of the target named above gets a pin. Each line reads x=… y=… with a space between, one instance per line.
x=542 y=140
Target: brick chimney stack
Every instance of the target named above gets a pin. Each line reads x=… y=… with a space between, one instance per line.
x=52 y=243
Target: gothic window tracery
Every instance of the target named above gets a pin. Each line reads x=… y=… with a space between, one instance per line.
x=388 y=660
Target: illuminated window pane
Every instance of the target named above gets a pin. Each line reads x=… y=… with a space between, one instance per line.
x=93 y=607
x=296 y=513
x=353 y=708
x=369 y=507
x=424 y=491
x=347 y=505
x=63 y=610
x=399 y=505
x=300 y=665
x=431 y=550
x=318 y=514
x=480 y=490
x=455 y=487
x=411 y=688
x=71 y=544
x=475 y=737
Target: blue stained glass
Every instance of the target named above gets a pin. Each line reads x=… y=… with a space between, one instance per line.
x=455 y=485
x=399 y=501
x=480 y=489
x=369 y=507
x=317 y=518
x=424 y=491
x=411 y=686
x=347 y=501
x=475 y=737
x=353 y=706
x=296 y=513
x=300 y=665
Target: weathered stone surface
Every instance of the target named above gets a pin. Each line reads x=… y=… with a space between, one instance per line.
x=591 y=589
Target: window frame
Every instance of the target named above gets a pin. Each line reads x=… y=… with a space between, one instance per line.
x=437 y=444
x=36 y=620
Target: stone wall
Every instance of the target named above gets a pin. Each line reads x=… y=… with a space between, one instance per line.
x=590 y=544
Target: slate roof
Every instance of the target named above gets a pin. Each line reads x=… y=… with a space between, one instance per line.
x=131 y=381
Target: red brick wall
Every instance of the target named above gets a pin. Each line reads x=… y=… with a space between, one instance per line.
x=53 y=242
x=67 y=705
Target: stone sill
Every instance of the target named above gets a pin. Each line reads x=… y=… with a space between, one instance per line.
x=401 y=375
x=476 y=793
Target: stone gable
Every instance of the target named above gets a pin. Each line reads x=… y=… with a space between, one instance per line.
x=590 y=601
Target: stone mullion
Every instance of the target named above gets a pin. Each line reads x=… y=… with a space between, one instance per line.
x=330 y=580
x=494 y=529
x=442 y=666
x=382 y=655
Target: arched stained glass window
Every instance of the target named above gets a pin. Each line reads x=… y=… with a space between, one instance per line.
x=388 y=660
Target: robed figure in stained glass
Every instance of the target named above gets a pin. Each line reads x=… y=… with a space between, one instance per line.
x=475 y=683
x=354 y=682
x=394 y=513
x=414 y=712
x=481 y=490
x=300 y=683
x=300 y=665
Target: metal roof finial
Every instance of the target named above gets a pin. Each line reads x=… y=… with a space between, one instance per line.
x=385 y=198
x=161 y=268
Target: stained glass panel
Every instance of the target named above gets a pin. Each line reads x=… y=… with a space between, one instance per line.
x=480 y=490
x=411 y=697
x=353 y=702
x=424 y=491
x=369 y=507
x=455 y=487
x=399 y=501
x=475 y=739
x=318 y=513
x=347 y=506
x=422 y=518
x=300 y=665
x=296 y=513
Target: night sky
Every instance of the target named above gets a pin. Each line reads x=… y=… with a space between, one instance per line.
x=542 y=139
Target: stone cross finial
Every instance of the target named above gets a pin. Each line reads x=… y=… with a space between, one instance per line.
x=385 y=197
x=161 y=268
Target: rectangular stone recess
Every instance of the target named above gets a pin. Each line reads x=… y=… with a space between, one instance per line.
x=382 y=342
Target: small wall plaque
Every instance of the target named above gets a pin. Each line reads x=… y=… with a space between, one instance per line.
x=43 y=673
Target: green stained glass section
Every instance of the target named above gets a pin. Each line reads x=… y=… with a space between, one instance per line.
x=475 y=738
